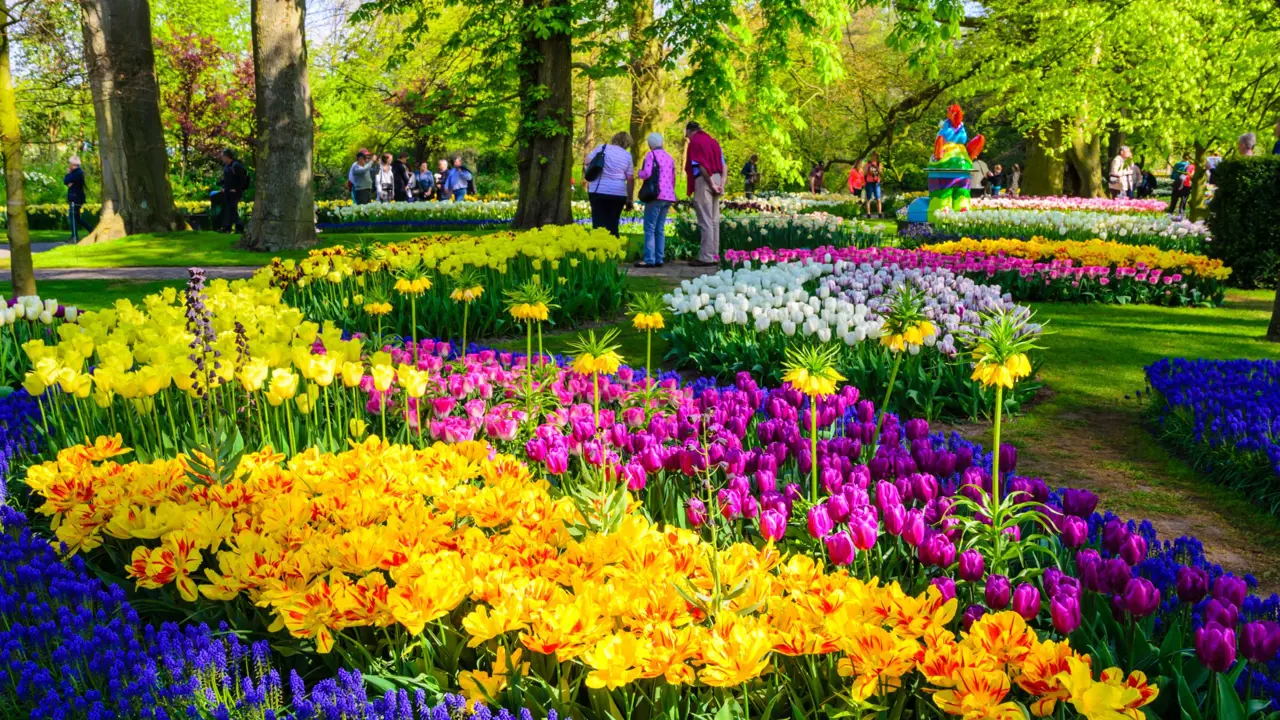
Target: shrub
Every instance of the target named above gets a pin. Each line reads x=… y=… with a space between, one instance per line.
x=1244 y=217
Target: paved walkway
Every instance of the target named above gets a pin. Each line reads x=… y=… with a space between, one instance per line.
x=36 y=247
x=140 y=273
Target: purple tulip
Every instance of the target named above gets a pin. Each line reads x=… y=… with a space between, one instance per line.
x=1140 y=598
x=913 y=529
x=1078 y=502
x=819 y=521
x=1230 y=588
x=1065 y=611
x=536 y=449
x=1223 y=613
x=972 y=614
x=865 y=530
x=1057 y=583
x=635 y=476
x=887 y=495
x=1193 y=584
x=946 y=586
x=1074 y=531
x=1216 y=647
x=1026 y=601
x=1134 y=549
x=1116 y=575
x=1008 y=458
x=937 y=550
x=773 y=525
x=838 y=508
x=972 y=566
x=840 y=548
x=964 y=458
x=557 y=461
x=917 y=429
x=1114 y=534
x=895 y=518
x=998 y=592
x=1089 y=566
x=1259 y=641
x=695 y=511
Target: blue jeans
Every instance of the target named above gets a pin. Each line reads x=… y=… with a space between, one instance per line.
x=459 y=194
x=655 y=230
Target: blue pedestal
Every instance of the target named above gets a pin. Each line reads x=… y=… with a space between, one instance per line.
x=918 y=210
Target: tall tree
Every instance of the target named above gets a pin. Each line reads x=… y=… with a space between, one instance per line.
x=545 y=156
x=136 y=197
x=21 y=273
x=645 y=69
x=284 y=200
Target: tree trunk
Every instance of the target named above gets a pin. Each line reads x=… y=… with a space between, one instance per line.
x=589 y=118
x=284 y=202
x=136 y=197
x=1085 y=155
x=545 y=137
x=1043 y=174
x=21 y=275
x=646 y=77
x=1195 y=205
x=1116 y=138
x=1273 y=328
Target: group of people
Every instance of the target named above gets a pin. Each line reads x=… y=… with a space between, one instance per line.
x=611 y=188
x=1127 y=179
x=392 y=179
x=994 y=180
x=864 y=181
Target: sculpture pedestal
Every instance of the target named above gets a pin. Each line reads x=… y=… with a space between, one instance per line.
x=918 y=210
x=948 y=189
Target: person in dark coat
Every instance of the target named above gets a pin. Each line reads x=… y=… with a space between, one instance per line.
x=235 y=180
x=401 y=172
x=74 y=180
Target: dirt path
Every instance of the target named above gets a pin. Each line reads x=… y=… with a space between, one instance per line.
x=1111 y=453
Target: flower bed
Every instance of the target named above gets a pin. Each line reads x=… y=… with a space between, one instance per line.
x=1043 y=270
x=1161 y=231
x=740 y=232
x=1106 y=205
x=1224 y=417
x=438 y=215
x=579 y=267
x=746 y=319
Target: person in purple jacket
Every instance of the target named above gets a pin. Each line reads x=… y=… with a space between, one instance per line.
x=657 y=160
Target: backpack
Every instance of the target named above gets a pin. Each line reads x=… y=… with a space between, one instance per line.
x=649 y=190
x=596 y=167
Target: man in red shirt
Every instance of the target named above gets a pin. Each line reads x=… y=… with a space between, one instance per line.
x=704 y=174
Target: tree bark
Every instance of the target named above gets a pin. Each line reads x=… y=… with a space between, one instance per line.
x=284 y=200
x=1195 y=204
x=1085 y=155
x=589 y=118
x=1043 y=174
x=545 y=137
x=136 y=197
x=22 y=276
x=646 y=77
x=1273 y=328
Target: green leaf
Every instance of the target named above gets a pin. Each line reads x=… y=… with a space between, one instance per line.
x=1228 y=701
x=1187 y=701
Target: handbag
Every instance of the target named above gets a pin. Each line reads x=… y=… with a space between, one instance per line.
x=596 y=167
x=649 y=190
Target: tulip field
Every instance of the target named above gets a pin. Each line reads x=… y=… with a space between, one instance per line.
x=477 y=476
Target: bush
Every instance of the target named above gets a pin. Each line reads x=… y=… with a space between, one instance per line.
x=1244 y=217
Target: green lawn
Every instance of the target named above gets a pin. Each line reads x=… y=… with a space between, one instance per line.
x=94 y=294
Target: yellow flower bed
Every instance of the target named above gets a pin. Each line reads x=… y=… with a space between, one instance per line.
x=1098 y=252
x=456 y=536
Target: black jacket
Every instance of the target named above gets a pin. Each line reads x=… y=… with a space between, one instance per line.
x=400 y=173
x=235 y=179
x=74 y=181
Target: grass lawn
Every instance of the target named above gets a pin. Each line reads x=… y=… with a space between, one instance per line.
x=94 y=294
x=183 y=249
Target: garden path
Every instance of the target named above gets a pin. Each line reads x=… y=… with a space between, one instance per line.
x=140 y=273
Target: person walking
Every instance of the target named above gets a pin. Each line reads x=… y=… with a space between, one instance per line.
x=458 y=181
x=659 y=162
x=615 y=186
x=74 y=180
x=704 y=177
x=402 y=177
x=424 y=182
x=817 y=177
x=1182 y=174
x=1015 y=180
x=978 y=177
x=995 y=180
x=235 y=181
x=857 y=181
x=442 y=174
x=751 y=176
x=1118 y=182
x=361 y=178
x=872 y=174
x=1246 y=144
x=1136 y=178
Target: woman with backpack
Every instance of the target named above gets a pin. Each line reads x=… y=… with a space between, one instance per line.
x=657 y=193
x=611 y=182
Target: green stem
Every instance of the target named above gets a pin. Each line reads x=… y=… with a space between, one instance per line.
x=888 y=392
x=813 y=445
x=995 y=454
x=413 y=317
x=466 y=308
x=648 y=356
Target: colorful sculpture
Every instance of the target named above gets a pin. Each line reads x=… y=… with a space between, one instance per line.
x=953 y=156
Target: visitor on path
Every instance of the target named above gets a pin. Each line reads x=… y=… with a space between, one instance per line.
x=704 y=178
x=74 y=180
x=615 y=186
x=751 y=175
x=1136 y=178
x=424 y=182
x=978 y=177
x=872 y=174
x=360 y=178
x=1182 y=174
x=1246 y=143
x=857 y=181
x=385 y=180
x=817 y=177
x=459 y=180
x=1148 y=186
x=235 y=181
x=1015 y=180
x=403 y=175
x=995 y=180
x=1118 y=183
x=1210 y=168
x=442 y=174
x=655 y=211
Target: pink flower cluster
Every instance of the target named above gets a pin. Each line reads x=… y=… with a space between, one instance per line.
x=1025 y=202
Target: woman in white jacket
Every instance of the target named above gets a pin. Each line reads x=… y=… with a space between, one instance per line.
x=1118 y=179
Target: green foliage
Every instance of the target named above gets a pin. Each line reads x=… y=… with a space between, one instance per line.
x=1244 y=217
